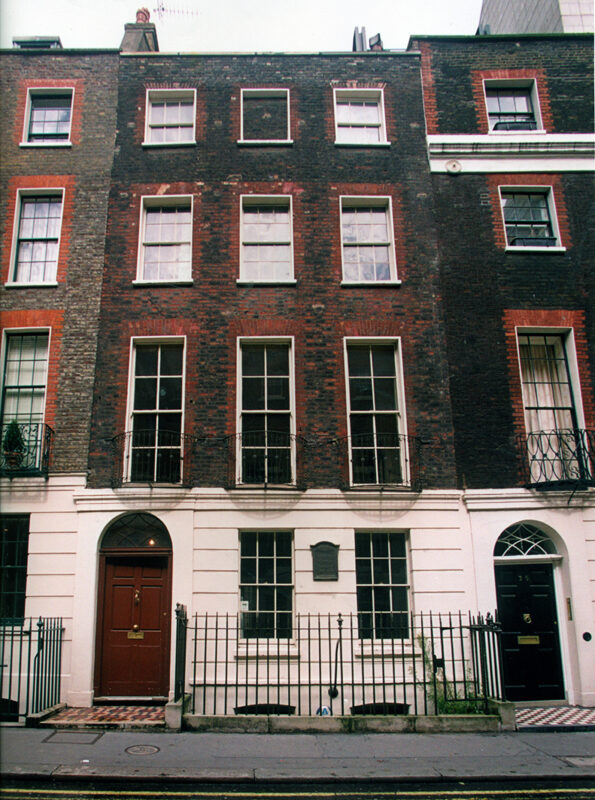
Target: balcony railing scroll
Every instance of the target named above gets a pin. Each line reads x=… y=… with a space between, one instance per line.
x=372 y=461
x=149 y=456
x=560 y=458
x=270 y=459
x=25 y=448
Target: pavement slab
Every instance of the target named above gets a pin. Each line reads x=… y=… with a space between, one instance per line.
x=302 y=757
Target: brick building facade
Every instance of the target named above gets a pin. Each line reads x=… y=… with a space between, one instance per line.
x=288 y=331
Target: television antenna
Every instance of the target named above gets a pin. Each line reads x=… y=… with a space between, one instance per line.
x=163 y=10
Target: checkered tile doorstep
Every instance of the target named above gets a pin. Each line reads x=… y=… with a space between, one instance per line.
x=111 y=714
x=565 y=715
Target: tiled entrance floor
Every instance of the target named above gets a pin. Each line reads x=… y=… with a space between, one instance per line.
x=104 y=716
x=556 y=717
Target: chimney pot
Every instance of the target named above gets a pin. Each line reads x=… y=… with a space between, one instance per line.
x=143 y=15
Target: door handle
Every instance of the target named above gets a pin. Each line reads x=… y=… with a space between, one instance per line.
x=137 y=597
x=135 y=628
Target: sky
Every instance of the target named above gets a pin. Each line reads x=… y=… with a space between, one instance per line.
x=238 y=25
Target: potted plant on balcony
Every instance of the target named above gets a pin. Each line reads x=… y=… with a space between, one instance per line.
x=13 y=446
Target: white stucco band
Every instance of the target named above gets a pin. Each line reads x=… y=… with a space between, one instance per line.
x=450 y=545
x=508 y=152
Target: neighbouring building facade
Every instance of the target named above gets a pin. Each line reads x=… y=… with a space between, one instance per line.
x=536 y=16
x=308 y=335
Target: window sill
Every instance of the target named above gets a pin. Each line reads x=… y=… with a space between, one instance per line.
x=27 y=285
x=169 y=144
x=246 y=282
x=557 y=249
x=264 y=142
x=45 y=144
x=277 y=650
x=181 y=282
x=379 y=487
x=393 y=648
x=517 y=132
x=367 y=284
x=264 y=486
x=362 y=144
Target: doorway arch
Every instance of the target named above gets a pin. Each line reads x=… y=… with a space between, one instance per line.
x=134 y=610
x=524 y=557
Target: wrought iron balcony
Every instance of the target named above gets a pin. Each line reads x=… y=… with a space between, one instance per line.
x=26 y=448
x=372 y=461
x=150 y=456
x=533 y=241
x=520 y=123
x=555 y=459
x=269 y=459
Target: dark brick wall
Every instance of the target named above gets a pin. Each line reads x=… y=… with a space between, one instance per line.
x=481 y=283
x=317 y=311
x=562 y=67
x=71 y=308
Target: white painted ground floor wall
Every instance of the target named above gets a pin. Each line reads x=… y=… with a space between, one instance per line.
x=450 y=539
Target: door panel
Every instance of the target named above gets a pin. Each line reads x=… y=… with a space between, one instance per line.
x=532 y=662
x=135 y=638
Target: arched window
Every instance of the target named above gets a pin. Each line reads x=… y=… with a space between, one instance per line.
x=524 y=539
x=136 y=530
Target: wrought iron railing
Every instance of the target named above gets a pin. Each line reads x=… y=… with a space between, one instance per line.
x=30 y=666
x=181 y=641
x=259 y=458
x=149 y=456
x=442 y=663
x=29 y=452
x=533 y=241
x=555 y=458
x=520 y=122
x=272 y=460
x=371 y=461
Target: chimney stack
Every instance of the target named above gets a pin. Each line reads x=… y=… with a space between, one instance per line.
x=140 y=36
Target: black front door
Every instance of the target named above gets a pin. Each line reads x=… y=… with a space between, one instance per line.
x=532 y=663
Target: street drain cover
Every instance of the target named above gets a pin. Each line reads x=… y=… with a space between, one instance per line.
x=142 y=750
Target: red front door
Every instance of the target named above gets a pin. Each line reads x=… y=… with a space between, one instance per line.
x=134 y=641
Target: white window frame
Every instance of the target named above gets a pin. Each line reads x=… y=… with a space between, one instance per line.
x=368 y=642
x=41 y=91
x=546 y=190
x=273 y=200
x=162 y=201
x=400 y=411
x=567 y=338
x=58 y=191
x=254 y=640
x=269 y=92
x=26 y=331
x=359 y=201
x=155 y=95
x=361 y=94
x=266 y=340
x=139 y=341
x=531 y=85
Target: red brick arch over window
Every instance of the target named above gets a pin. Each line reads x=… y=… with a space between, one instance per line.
x=538 y=75
x=29 y=321
x=542 y=320
x=527 y=180
x=77 y=84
